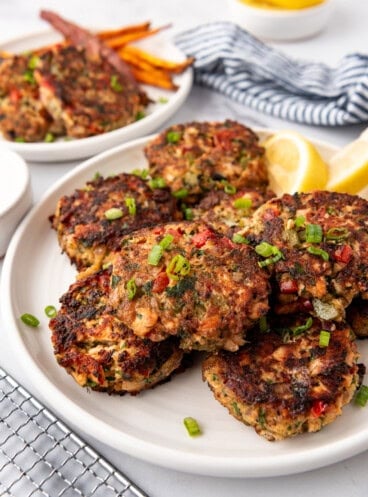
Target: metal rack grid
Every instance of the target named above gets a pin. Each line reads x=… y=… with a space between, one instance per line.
x=41 y=457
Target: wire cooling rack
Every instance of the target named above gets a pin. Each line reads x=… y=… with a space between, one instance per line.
x=41 y=457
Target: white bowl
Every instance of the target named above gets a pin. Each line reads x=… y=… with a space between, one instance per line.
x=15 y=194
x=281 y=24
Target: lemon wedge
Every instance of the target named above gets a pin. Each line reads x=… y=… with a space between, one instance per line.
x=349 y=167
x=294 y=164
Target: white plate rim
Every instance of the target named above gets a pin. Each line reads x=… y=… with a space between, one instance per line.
x=190 y=462
x=61 y=151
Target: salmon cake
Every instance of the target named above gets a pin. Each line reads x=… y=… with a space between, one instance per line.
x=187 y=280
x=98 y=350
x=315 y=245
x=198 y=157
x=87 y=94
x=229 y=213
x=286 y=381
x=91 y=221
x=23 y=117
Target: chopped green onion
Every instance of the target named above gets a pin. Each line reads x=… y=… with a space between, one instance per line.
x=188 y=214
x=96 y=176
x=324 y=338
x=115 y=84
x=173 y=136
x=163 y=100
x=178 y=266
x=228 y=188
x=30 y=320
x=113 y=213
x=131 y=288
x=157 y=183
x=29 y=77
x=19 y=139
x=182 y=193
x=49 y=138
x=33 y=61
x=192 y=426
x=130 y=203
x=337 y=234
x=242 y=203
x=299 y=221
x=155 y=255
x=297 y=330
x=320 y=252
x=166 y=241
x=50 y=311
x=140 y=115
x=313 y=233
x=237 y=238
x=141 y=173
x=361 y=397
x=264 y=249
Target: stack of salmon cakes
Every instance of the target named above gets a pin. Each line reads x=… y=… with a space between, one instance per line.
x=196 y=253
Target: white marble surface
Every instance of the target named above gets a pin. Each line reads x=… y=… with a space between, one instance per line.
x=346 y=32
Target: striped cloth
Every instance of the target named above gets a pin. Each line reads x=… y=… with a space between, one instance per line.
x=232 y=61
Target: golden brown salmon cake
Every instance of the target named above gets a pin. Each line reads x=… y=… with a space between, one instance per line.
x=198 y=157
x=87 y=94
x=316 y=247
x=23 y=117
x=284 y=382
x=91 y=221
x=185 y=279
x=98 y=350
x=229 y=213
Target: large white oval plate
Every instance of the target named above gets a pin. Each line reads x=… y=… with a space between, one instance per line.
x=156 y=114
x=150 y=425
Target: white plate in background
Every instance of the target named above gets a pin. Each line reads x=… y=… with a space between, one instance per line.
x=157 y=113
x=150 y=425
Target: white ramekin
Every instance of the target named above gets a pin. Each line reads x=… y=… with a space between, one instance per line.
x=15 y=194
x=282 y=25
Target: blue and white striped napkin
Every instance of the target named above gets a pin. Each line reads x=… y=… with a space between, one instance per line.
x=232 y=61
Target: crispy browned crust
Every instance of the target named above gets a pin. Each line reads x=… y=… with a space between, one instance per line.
x=305 y=281
x=283 y=387
x=209 y=307
x=219 y=210
x=84 y=232
x=87 y=94
x=98 y=350
x=22 y=116
x=207 y=156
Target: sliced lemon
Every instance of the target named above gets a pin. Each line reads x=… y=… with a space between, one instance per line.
x=294 y=164
x=349 y=167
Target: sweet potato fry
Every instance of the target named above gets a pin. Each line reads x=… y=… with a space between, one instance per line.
x=154 y=77
x=120 y=41
x=124 y=30
x=171 y=66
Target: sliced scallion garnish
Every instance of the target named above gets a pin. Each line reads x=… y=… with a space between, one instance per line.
x=318 y=251
x=115 y=84
x=337 y=234
x=50 y=311
x=298 y=330
x=324 y=338
x=228 y=188
x=131 y=205
x=30 y=320
x=157 y=183
x=155 y=255
x=242 y=203
x=166 y=241
x=182 y=193
x=192 y=426
x=237 y=238
x=178 y=266
x=271 y=253
x=113 y=213
x=173 y=136
x=313 y=233
x=299 y=221
x=361 y=397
